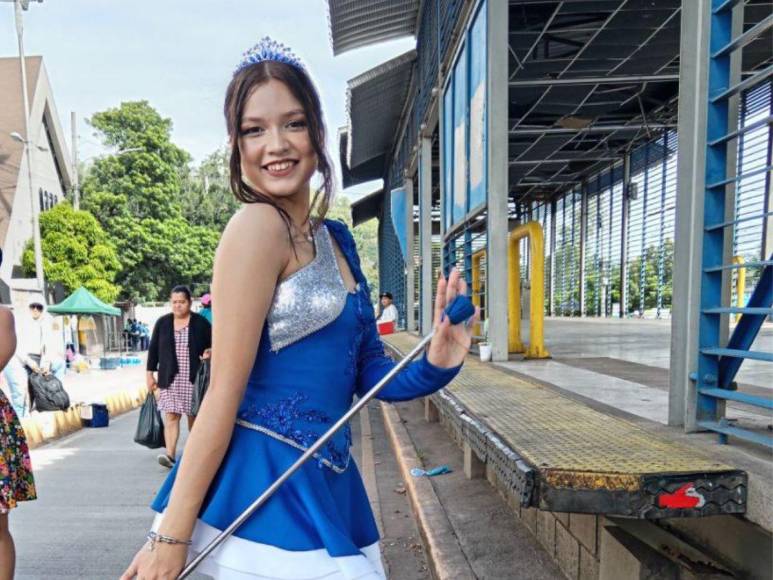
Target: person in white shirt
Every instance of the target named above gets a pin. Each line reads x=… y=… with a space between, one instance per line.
x=388 y=310
x=36 y=349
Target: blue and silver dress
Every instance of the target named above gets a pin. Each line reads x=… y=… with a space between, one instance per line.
x=319 y=348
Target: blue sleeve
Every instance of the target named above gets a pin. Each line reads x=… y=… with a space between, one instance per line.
x=418 y=379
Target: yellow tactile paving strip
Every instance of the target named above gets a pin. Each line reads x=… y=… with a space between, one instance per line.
x=571 y=444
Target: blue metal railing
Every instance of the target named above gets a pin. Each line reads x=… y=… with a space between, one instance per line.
x=718 y=364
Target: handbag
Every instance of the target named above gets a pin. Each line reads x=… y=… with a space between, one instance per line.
x=47 y=393
x=150 y=426
x=200 y=386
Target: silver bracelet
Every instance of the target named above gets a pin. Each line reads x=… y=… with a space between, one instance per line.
x=153 y=537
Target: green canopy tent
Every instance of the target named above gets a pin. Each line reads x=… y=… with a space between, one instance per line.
x=83 y=302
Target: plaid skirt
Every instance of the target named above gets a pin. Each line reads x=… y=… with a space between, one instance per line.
x=178 y=396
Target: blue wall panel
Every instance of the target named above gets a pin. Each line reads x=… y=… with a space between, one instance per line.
x=461 y=150
x=478 y=136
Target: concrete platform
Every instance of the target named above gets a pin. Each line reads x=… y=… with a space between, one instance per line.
x=567 y=457
x=646 y=342
x=624 y=364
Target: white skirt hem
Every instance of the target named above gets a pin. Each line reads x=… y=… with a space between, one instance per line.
x=240 y=559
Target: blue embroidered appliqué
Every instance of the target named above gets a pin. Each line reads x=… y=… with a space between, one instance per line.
x=285 y=418
x=354 y=350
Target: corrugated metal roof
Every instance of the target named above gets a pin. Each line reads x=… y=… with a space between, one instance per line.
x=373 y=169
x=375 y=101
x=356 y=23
x=367 y=207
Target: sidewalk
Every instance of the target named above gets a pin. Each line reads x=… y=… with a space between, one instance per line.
x=95 y=385
x=121 y=389
x=95 y=488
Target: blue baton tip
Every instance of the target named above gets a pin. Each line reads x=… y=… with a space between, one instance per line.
x=460 y=309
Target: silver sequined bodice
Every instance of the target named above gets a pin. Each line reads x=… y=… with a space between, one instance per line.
x=308 y=299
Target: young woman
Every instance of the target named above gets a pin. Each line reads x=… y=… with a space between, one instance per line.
x=16 y=481
x=294 y=340
x=180 y=340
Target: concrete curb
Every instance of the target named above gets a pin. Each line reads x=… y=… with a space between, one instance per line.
x=444 y=554
x=40 y=428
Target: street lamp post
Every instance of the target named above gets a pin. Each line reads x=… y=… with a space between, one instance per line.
x=20 y=5
x=76 y=194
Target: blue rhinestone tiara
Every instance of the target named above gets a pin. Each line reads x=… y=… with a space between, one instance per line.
x=269 y=49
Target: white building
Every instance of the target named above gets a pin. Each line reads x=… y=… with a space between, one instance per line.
x=51 y=176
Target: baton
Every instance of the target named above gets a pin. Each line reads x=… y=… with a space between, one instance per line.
x=459 y=310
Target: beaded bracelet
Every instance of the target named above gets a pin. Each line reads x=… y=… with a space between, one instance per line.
x=153 y=537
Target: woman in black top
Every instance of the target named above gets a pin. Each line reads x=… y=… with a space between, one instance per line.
x=179 y=342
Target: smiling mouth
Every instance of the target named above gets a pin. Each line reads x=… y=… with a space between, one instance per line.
x=280 y=166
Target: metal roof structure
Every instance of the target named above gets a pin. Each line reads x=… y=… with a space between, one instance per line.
x=375 y=104
x=367 y=207
x=591 y=79
x=368 y=171
x=354 y=24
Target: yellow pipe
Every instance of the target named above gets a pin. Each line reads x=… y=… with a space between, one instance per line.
x=476 y=259
x=514 y=342
x=536 y=348
x=740 y=285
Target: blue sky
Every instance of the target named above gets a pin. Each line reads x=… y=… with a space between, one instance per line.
x=178 y=55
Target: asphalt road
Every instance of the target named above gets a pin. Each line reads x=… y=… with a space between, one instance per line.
x=94 y=490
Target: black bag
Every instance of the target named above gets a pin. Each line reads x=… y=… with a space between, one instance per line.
x=47 y=393
x=200 y=386
x=150 y=427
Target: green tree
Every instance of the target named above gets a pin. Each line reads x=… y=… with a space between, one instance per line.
x=149 y=176
x=651 y=266
x=365 y=236
x=208 y=200
x=566 y=282
x=137 y=197
x=76 y=252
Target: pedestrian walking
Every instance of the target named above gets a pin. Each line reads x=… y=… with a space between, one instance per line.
x=17 y=483
x=179 y=341
x=127 y=333
x=295 y=340
x=136 y=333
x=144 y=336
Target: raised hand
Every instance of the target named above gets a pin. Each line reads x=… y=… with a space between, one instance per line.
x=451 y=342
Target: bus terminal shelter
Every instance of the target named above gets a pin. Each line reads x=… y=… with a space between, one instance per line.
x=600 y=171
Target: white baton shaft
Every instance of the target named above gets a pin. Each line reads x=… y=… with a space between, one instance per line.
x=225 y=534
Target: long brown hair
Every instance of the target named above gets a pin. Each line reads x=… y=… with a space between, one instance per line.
x=302 y=88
